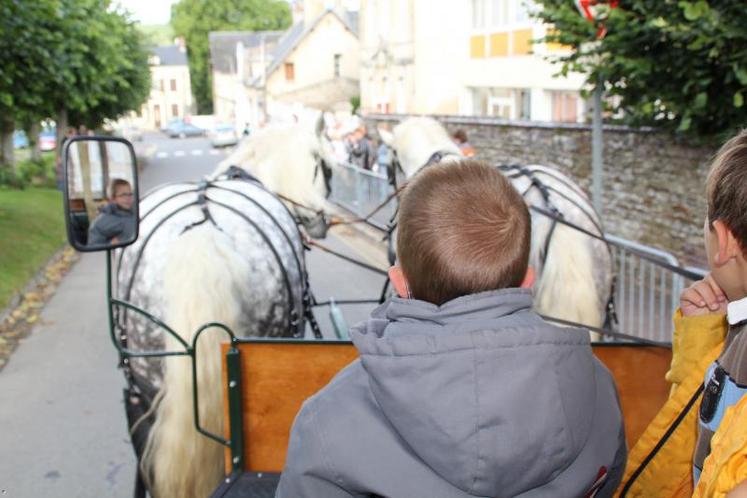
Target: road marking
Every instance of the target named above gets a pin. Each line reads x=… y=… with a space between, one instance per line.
x=179 y=153
x=197 y=152
x=161 y=155
x=214 y=152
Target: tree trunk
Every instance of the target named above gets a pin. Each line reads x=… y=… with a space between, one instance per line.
x=59 y=136
x=33 y=136
x=7 y=126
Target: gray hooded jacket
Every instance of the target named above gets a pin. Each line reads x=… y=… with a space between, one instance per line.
x=112 y=221
x=478 y=397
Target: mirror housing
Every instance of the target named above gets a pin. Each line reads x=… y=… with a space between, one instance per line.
x=100 y=193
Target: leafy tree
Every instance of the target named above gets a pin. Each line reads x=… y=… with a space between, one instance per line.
x=102 y=65
x=195 y=19
x=672 y=64
x=80 y=59
x=27 y=31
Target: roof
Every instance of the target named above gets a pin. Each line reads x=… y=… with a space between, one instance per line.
x=223 y=46
x=298 y=32
x=170 y=55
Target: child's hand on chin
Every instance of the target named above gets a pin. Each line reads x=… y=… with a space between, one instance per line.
x=702 y=298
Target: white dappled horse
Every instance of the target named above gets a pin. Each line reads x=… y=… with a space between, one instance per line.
x=574 y=270
x=221 y=250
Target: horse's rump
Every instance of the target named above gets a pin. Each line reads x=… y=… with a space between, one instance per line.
x=560 y=196
x=257 y=225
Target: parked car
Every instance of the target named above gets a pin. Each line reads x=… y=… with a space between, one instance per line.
x=20 y=141
x=223 y=135
x=173 y=122
x=182 y=129
x=47 y=140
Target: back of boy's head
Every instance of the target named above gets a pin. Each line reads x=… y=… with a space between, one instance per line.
x=463 y=229
x=726 y=188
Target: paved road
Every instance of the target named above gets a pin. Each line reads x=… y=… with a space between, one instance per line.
x=62 y=424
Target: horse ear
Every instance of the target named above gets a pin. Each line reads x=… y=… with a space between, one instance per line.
x=386 y=137
x=320 y=126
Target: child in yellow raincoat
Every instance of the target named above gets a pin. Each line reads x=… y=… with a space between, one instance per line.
x=697 y=444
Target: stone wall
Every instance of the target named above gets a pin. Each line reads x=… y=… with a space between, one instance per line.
x=654 y=184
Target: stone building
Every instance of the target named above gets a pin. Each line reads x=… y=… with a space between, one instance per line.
x=171 y=89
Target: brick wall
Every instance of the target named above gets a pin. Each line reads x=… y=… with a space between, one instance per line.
x=653 y=183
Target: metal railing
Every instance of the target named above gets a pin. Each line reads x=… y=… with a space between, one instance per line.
x=648 y=280
x=648 y=288
x=361 y=191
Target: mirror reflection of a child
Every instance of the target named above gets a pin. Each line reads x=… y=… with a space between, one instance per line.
x=115 y=222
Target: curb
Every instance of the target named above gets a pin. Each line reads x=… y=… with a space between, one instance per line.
x=31 y=284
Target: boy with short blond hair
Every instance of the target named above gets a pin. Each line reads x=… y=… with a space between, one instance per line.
x=709 y=343
x=461 y=389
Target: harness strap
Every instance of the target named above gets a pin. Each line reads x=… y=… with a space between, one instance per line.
x=544 y=190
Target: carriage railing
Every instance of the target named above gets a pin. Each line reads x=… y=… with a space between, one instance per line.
x=648 y=280
x=233 y=373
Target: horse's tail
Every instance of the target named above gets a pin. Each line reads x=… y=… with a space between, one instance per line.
x=567 y=289
x=205 y=281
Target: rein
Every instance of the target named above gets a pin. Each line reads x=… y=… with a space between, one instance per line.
x=334 y=221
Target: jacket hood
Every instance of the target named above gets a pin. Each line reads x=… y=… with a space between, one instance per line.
x=114 y=209
x=487 y=394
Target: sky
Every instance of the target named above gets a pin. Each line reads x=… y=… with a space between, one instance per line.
x=149 y=11
x=159 y=11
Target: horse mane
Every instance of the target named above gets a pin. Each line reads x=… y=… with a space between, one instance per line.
x=417 y=138
x=283 y=158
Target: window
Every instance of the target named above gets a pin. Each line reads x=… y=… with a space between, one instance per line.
x=337 y=65
x=290 y=73
x=504 y=103
x=173 y=85
x=479 y=14
x=564 y=107
x=174 y=110
x=523 y=9
x=160 y=84
x=499 y=14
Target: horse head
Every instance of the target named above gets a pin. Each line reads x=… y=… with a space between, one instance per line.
x=418 y=142
x=296 y=162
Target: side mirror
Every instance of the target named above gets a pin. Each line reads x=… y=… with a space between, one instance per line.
x=101 y=193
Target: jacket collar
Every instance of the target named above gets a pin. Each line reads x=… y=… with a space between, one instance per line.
x=736 y=311
x=484 y=305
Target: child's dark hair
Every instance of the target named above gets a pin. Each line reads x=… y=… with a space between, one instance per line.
x=726 y=188
x=463 y=229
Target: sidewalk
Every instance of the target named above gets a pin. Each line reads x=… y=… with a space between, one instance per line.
x=62 y=423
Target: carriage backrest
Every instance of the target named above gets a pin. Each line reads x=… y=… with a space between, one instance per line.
x=277 y=376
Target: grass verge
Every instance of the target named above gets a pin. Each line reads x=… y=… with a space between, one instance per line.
x=32 y=229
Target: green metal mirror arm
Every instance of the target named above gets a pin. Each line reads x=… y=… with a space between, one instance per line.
x=236 y=442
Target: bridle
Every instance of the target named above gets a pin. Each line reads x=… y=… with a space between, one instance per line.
x=396 y=166
x=321 y=165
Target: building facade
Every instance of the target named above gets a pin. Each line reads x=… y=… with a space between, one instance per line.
x=171 y=89
x=264 y=75
x=471 y=58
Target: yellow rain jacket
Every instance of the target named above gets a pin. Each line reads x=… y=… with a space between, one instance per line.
x=660 y=463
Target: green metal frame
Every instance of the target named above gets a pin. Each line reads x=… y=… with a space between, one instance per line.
x=233 y=369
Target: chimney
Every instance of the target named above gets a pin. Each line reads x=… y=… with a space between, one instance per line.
x=181 y=43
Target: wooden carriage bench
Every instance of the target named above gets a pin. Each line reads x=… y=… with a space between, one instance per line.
x=277 y=376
